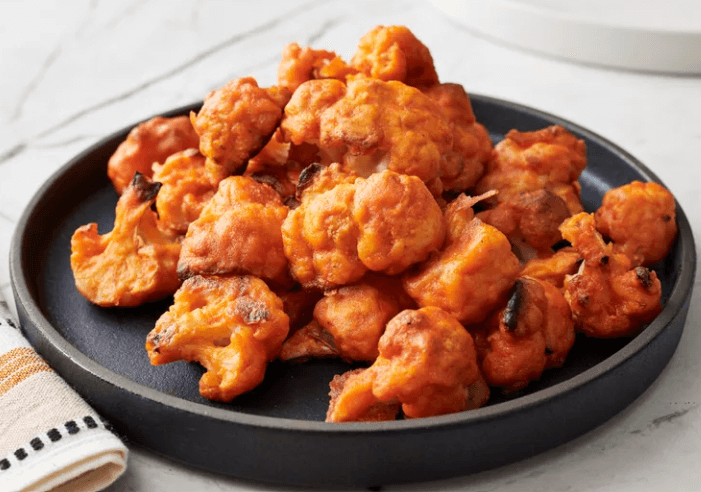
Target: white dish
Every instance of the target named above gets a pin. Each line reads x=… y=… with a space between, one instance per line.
x=638 y=35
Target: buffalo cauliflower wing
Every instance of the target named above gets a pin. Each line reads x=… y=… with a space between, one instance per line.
x=235 y=123
x=608 y=296
x=238 y=232
x=394 y=53
x=185 y=189
x=232 y=325
x=369 y=126
x=551 y=158
x=132 y=264
x=640 y=220
x=427 y=362
x=149 y=142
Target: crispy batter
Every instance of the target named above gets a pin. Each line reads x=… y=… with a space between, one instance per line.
x=316 y=179
x=354 y=383
x=342 y=228
x=532 y=333
x=472 y=146
x=275 y=154
x=559 y=328
x=427 y=362
x=400 y=222
x=238 y=231
x=387 y=125
x=640 y=220
x=320 y=239
x=551 y=158
x=608 y=296
x=299 y=65
x=135 y=262
x=394 y=53
x=235 y=123
x=231 y=325
x=553 y=268
x=300 y=123
x=151 y=141
x=370 y=126
x=529 y=219
x=349 y=321
x=459 y=213
x=186 y=188
x=470 y=277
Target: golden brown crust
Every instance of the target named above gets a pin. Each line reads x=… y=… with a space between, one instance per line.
x=149 y=142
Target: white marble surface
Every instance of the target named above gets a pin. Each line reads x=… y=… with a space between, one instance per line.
x=74 y=71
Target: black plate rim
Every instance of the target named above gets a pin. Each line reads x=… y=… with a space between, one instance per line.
x=678 y=296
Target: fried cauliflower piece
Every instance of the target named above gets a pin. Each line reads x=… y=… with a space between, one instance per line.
x=559 y=327
x=235 y=123
x=394 y=53
x=349 y=321
x=185 y=189
x=134 y=263
x=400 y=222
x=459 y=213
x=320 y=239
x=608 y=296
x=551 y=158
x=353 y=382
x=470 y=277
x=640 y=220
x=533 y=332
x=530 y=220
x=553 y=268
x=472 y=145
x=384 y=223
x=151 y=141
x=369 y=126
x=426 y=361
x=316 y=179
x=238 y=232
x=232 y=325
x=299 y=65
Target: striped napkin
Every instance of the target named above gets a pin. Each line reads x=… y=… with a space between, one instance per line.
x=50 y=439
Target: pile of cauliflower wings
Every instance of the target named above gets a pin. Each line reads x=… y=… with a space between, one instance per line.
x=358 y=210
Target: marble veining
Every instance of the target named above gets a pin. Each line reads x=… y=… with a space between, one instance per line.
x=78 y=70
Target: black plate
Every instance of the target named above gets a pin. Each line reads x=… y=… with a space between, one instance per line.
x=276 y=432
